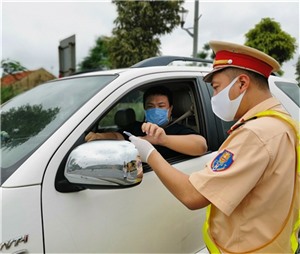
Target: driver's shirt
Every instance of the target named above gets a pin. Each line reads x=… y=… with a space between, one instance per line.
x=250 y=182
x=172 y=129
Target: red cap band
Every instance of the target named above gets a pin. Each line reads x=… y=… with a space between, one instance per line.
x=225 y=59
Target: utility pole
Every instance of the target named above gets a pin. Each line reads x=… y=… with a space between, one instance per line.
x=195 y=28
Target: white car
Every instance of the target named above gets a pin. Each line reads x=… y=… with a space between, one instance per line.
x=60 y=194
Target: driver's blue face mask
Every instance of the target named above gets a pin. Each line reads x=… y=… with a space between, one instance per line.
x=157 y=116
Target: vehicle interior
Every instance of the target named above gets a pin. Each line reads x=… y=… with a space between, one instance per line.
x=130 y=108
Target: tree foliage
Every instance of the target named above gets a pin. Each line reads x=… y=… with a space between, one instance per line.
x=206 y=53
x=11 y=67
x=25 y=117
x=7 y=93
x=268 y=37
x=138 y=27
x=98 y=56
x=298 y=71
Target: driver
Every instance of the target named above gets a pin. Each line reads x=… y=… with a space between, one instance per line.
x=170 y=139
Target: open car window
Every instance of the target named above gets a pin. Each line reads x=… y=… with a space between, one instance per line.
x=129 y=109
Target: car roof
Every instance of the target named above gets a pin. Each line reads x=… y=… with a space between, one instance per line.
x=143 y=70
x=162 y=64
x=156 y=64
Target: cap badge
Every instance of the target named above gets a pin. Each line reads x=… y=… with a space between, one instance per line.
x=223 y=62
x=223 y=161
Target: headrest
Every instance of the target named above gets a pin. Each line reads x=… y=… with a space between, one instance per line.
x=182 y=103
x=125 y=117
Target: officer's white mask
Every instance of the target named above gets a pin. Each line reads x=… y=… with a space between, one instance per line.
x=222 y=106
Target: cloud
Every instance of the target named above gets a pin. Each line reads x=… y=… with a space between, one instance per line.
x=31 y=31
x=230 y=21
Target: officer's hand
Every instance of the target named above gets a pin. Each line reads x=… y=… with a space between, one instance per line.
x=143 y=146
x=154 y=134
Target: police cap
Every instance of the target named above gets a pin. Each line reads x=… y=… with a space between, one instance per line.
x=240 y=56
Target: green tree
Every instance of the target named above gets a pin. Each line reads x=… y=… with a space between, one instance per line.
x=11 y=67
x=206 y=53
x=298 y=71
x=138 y=27
x=6 y=93
x=25 y=117
x=98 y=56
x=268 y=37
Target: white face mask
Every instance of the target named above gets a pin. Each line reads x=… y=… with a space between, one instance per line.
x=223 y=107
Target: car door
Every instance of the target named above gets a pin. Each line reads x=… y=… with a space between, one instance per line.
x=143 y=218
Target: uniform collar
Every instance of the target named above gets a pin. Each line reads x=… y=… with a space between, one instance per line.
x=271 y=103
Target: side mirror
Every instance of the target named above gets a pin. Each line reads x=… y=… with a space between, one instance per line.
x=104 y=163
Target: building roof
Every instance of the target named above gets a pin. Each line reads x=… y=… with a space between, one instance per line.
x=27 y=78
x=9 y=79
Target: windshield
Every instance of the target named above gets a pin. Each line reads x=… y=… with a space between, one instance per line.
x=31 y=118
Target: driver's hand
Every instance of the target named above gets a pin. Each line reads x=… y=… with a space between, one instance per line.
x=154 y=134
x=92 y=136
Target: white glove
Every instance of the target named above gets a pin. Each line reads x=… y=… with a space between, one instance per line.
x=144 y=147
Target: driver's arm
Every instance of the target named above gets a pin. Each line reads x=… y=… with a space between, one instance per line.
x=105 y=135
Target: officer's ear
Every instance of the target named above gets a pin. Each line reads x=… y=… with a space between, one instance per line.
x=244 y=82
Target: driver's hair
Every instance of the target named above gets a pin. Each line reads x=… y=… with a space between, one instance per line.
x=158 y=90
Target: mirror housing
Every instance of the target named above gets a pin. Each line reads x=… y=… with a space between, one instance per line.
x=104 y=163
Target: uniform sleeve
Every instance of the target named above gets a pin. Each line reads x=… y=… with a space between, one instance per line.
x=233 y=173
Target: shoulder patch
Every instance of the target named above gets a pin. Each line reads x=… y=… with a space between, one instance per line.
x=222 y=162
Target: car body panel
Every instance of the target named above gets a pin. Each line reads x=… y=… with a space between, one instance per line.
x=120 y=216
x=20 y=210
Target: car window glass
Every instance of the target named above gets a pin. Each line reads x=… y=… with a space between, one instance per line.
x=133 y=100
x=291 y=90
x=32 y=117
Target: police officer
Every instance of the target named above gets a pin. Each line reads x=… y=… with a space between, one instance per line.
x=251 y=187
